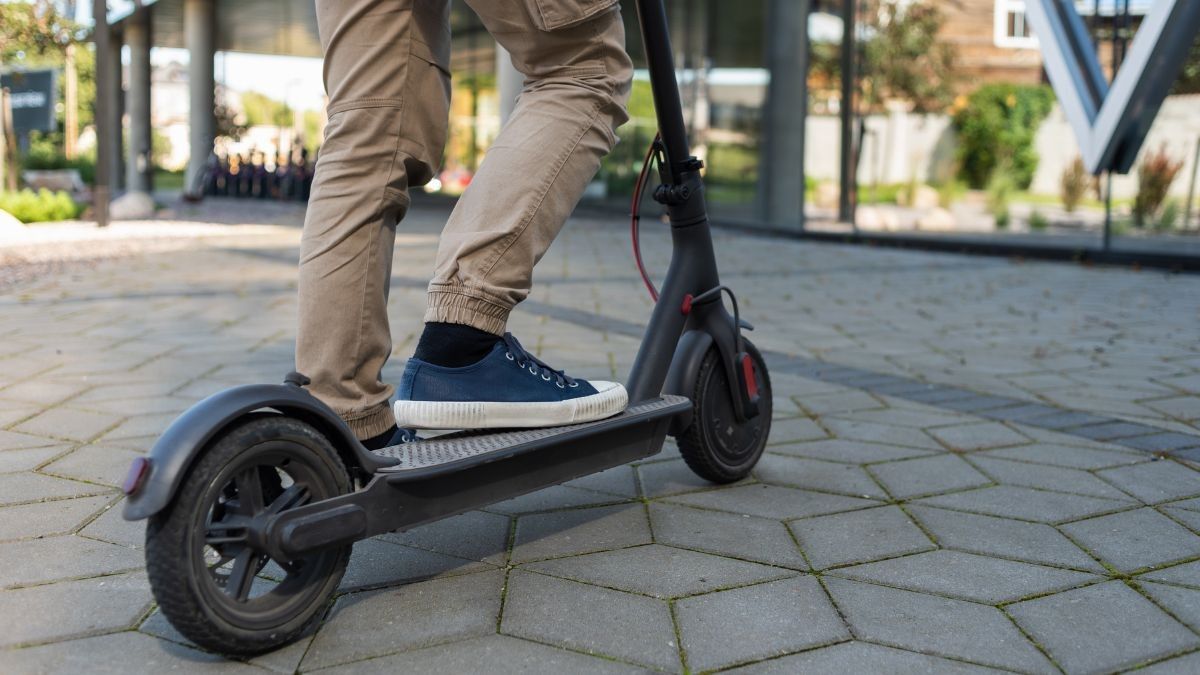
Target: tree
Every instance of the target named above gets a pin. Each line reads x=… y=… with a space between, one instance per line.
x=261 y=109
x=901 y=56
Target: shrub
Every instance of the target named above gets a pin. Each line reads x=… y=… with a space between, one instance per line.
x=1155 y=175
x=1169 y=218
x=1037 y=221
x=28 y=206
x=999 y=192
x=996 y=126
x=1075 y=182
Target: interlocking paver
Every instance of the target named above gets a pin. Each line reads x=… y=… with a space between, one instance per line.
x=794 y=430
x=575 y=531
x=772 y=618
x=1027 y=504
x=861 y=657
x=1108 y=611
x=95 y=463
x=967 y=576
x=1187 y=574
x=1183 y=665
x=873 y=432
x=858 y=536
x=52 y=611
x=377 y=563
x=475 y=536
x=1183 y=603
x=617 y=481
x=927 y=475
x=1070 y=456
x=935 y=625
x=549 y=499
x=980 y=436
x=112 y=527
x=494 y=654
x=67 y=423
x=671 y=477
x=32 y=561
x=854 y=452
x=1058 y=479
x=591 y=619
x=28 y=459
x=47 y=518
x=769 y=501
x=21 y=488
x=1003 y=538
x=363 y=625
x=736 y=536
x=97 y=654
x=1135 y=539
x=658 y=571
x=815 y=474
x=1155 y=482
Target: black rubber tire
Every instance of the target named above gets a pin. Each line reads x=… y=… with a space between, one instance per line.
x=704 y=447
x=170 y=537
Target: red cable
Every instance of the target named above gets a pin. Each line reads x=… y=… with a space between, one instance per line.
x=636 y=216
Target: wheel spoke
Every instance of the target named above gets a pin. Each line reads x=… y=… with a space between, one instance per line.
x=249 y=491
x=295 y=495
x=224 y=540
x=241 y=577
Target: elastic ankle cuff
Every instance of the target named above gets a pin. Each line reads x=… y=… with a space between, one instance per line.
x=370 y=423
x=468 y=310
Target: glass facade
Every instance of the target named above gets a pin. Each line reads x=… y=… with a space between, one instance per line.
x=955 y=131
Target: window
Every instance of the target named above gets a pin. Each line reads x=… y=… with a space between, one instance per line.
x=1011 y=30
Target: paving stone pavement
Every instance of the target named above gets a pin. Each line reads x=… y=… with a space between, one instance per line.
x=976 y=465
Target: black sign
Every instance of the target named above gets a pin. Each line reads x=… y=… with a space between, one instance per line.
x=34 y=95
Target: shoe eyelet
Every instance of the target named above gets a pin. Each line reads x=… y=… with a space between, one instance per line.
x=533 y=370
x=508 y=355
x=574 y=384
x=546 y=378
x=559 y=385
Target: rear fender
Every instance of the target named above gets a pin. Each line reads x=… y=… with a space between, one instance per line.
x=183 y=441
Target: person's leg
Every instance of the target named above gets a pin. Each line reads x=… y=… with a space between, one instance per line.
x=577 y=81
x=386 y=73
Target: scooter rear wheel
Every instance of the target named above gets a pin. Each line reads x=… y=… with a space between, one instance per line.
x=715 y=445
x=213 y=582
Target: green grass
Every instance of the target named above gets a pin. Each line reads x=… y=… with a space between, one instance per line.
x=168 y=180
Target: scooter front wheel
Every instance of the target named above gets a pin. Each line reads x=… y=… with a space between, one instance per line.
x=716 y=446
x=206 y=566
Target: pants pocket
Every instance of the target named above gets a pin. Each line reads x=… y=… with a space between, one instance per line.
x=551 y=15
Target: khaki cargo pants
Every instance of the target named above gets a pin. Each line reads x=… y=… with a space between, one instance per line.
x=387 y=75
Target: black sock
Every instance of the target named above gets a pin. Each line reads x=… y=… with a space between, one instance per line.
x=453 y=345
x=381 y=441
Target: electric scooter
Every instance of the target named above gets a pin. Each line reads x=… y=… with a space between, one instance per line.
x=256 y=494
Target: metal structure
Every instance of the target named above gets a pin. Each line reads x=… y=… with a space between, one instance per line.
x=1111 y=122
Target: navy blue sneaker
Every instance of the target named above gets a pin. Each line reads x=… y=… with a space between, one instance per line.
x=508 y=388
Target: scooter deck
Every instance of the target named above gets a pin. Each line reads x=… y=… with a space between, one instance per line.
x=457 y=451
x=444 y=476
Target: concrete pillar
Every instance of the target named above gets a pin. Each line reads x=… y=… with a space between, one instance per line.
x=509 y=82
x=139 y=170
x=781 y=162
x=199 y=36
x=116 y=112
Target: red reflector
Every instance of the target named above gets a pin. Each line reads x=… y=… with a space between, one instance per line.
x=687 y=304
x=136 y=476
x=748 y=371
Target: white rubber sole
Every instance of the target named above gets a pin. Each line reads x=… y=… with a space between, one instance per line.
x=610 y=398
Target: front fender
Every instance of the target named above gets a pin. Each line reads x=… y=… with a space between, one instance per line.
x=685 y=368
x=192 y=431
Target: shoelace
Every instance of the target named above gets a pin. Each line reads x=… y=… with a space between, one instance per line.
x=535 y=365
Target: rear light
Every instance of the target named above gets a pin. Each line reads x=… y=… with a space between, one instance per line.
x=138 y=471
